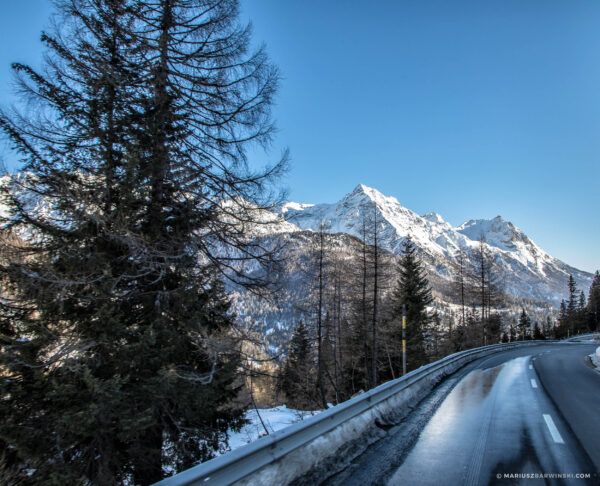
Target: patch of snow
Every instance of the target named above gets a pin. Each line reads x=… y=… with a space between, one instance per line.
x=595 y=358
x=284 y=208
x=274 y=419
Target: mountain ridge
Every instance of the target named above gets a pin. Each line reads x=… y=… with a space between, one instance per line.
x=530 y=271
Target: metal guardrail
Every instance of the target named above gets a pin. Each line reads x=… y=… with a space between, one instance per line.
x=239 y=463
x=595 y=336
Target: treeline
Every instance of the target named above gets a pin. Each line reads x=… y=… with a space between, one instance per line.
x=526 y=329
x=349 y=338
x=576 y=314
x=478 y=293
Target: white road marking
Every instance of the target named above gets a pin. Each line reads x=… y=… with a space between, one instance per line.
x=530 y=367
x=533 y=383
x=553 y=430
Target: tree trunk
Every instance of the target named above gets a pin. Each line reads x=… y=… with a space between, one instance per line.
x=364 y=307
x=375 y=298
x=321 y=385
x=160 y=158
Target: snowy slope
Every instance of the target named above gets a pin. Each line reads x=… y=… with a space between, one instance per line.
x=274 y=419
x=394 y=221
x=505 y=236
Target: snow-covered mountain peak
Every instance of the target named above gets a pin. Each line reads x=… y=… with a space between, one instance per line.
x=361 y=189
x=370 y=192
x=526 y=264
x=362 y=194
x=510 y=240
x=356 y=212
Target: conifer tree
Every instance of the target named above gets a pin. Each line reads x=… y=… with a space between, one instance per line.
x=414 y=291
x=581 y=316
x=593 y=304
x=573 y=298
x=570 y=315
x=117 y=357
x=488 y=290
x=524 y=324
x=563 y=325
x=462 y=285
x=581 y=304
x=320 y=288
x=482 y=264
x=494 y=327
x=537 y=332
x=297 y=378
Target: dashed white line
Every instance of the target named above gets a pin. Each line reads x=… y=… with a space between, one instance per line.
x=530 y=367
x=553 y=430
x=533 y=383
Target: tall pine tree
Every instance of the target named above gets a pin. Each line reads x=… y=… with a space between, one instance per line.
x=117 y=357
x=414 y=292
x=570 y=315
x=572 y=303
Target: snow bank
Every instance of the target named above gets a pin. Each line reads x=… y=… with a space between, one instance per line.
x=595 y=358
x=273 y=418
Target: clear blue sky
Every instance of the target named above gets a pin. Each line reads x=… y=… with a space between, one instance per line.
x=467 y=108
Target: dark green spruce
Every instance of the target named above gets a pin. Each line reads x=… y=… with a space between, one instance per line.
x=117 y=357
x=593 y=304
x=414 y=291
x=297 y=380
x=524 y=325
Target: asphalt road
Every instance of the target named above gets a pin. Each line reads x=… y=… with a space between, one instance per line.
x=506 y=419
x=574 y=388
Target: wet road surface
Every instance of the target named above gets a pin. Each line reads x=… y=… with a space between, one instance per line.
x=500 y=422
x=496 y=425
x=575 y=390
